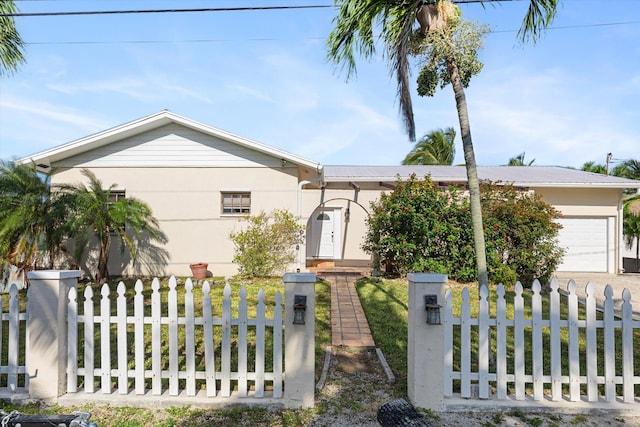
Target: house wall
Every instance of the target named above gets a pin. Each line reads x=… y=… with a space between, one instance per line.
x=186 y=203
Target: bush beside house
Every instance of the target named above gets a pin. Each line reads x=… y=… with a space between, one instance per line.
x=420 y=227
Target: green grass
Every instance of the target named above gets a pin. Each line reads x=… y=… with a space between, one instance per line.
x=385 y=304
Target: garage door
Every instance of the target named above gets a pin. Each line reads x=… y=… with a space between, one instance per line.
x=586 y=243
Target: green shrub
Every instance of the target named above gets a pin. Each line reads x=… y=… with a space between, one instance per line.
x=523 y=232
x=265 y=246
x=421 y=228
x=418 y=227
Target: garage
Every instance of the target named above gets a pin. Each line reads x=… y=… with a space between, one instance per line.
x=588 y=244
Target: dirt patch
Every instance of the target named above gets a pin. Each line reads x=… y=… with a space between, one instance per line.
x=352 y=360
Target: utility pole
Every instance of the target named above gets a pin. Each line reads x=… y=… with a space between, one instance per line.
x=608 y=162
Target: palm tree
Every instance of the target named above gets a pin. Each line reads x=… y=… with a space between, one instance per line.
x=11 y=44
x=435 y=148
x=354 y=32
x=519 y=161
x=631 y=226
x=594 y=168
x=33 y=218
x=98 y=216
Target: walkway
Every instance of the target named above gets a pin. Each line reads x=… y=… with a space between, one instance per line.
x=349 y=326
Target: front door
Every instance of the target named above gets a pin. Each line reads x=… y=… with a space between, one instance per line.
x=325 y=234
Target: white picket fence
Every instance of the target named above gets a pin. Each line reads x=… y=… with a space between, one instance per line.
x=143 y=341
x=13 y=374
x=500 y=371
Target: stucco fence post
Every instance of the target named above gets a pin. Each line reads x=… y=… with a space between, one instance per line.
x=48 y=293
x=299 y=341
x=425 y=380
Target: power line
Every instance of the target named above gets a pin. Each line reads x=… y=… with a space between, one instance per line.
x=105 y=42
x=193 y=10
x=139 y=11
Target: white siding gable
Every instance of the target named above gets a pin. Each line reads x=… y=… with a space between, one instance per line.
x=172 y=145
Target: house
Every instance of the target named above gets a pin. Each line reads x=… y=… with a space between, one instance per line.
x=199 y=182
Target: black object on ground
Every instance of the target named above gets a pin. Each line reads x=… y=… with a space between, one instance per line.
x=400 y=413
x=77 y=419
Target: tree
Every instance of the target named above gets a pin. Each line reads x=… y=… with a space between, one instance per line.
x=631 y=225
x=266 y=244
x=594 y=168
x=33 y=217
x=354 y=32
x=519 y=161
x=97 y=215
x=435 y=148
x=11 y=44
x=450 y=57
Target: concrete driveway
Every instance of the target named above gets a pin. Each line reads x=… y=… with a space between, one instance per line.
x=600 y=280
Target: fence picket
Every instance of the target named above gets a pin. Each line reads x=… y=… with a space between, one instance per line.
x=536 y=337
x=627 y=347
x=592 y=345
x=277 y=346
x=173 y=338
x=123 y=348
x=72 y=342
x=225 y=382
x=574 y=344
x=138 y=338
x=260 y=338
x=189 y=326
x=105 y=340
x=14 y=337
x=89 y=341
x=554 y=341
x=448 y=344
x=156 y=342
x=483 y=343
x=465 y=346
x=501 y=344
x=518 y=342
x=242 y=343
x=209 y=355
x=609 y=347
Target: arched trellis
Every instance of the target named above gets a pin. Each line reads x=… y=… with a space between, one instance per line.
x=344 y=232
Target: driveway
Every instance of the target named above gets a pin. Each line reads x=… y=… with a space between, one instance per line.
x=600 y=280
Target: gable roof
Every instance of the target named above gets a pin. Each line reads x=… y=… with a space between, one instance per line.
x=45 y=159
x=520 y=176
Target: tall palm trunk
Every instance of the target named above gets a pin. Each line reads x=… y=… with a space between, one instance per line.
x=472 y=172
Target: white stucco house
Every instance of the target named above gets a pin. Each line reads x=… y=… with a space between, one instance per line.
x=199 y=181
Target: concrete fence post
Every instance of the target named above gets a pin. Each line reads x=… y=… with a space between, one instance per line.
x=425 y=380
x=299 y=341
x=48 y=293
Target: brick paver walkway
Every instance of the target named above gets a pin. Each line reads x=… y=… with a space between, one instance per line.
x=349 y=326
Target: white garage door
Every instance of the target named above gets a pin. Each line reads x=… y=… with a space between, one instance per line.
x=586 y=243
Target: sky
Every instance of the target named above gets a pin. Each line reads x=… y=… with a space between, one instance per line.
x=572 y=97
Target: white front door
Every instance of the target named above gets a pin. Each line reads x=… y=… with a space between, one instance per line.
x=325 y=234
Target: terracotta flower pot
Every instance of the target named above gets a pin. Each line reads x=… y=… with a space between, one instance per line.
x=199 y=270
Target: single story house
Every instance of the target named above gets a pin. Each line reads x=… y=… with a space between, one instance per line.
x=200 y=180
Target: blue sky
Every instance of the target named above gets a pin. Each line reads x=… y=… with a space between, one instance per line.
x=571 y=98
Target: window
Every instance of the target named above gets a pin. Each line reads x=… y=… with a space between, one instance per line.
x=236 y=203
x=115 y=195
